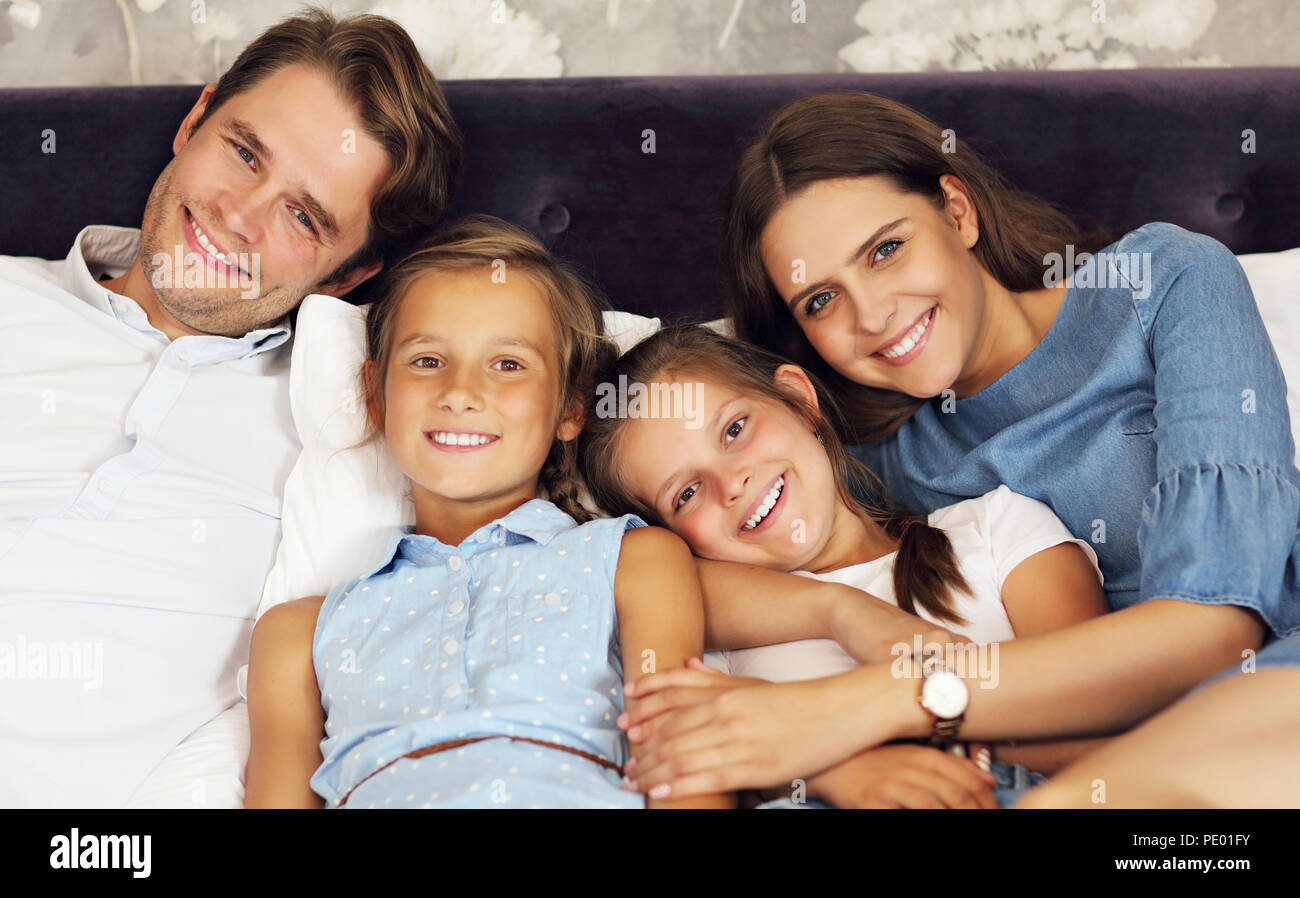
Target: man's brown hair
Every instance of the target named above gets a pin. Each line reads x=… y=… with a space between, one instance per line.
x=373 y=62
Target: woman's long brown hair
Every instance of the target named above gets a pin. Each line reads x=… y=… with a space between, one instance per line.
x=925 y=567
x=854 y=135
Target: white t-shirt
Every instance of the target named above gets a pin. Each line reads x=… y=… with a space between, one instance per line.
x=990 y=535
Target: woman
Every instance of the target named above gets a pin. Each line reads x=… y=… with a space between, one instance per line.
x=1144 y=404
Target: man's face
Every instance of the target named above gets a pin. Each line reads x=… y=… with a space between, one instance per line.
x=278 y=181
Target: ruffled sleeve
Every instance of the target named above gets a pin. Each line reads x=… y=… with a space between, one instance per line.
x=1221 y=524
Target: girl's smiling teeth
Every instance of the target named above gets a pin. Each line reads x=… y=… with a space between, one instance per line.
x=456 y=438
x=765 y=507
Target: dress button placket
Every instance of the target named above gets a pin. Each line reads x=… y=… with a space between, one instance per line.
x=453 y=647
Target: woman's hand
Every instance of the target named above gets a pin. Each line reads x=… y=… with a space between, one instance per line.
x=904 y=776
x=700 y=731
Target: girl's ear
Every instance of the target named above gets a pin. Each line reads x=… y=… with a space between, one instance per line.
x=793 y=381
x=372 y=406
x=961 y=209
x=571 y=424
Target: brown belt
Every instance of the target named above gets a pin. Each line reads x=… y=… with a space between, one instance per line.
x=457 y=743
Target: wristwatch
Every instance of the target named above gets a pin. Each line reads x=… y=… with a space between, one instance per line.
x=945 y=696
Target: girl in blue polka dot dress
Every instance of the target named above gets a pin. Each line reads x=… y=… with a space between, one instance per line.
x=479 y=661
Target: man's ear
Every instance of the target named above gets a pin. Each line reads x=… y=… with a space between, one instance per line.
x=794 y=382
x=356 y=276
x=372 y=406
x=961 y=209
x=571 y=424
x=183 y=135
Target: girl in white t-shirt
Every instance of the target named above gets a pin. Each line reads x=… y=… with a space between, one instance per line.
x=737 y=452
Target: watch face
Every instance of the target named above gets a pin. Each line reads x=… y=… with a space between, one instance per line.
x=945 y=694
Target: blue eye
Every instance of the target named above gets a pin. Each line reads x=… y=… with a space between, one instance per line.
x=817 y=302
x=305 y=219
x=738 y=425
x=241 y=151
x=877 y=257
x=685 y=497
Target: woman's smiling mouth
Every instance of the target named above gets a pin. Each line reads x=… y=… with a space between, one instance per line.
x=909 y=345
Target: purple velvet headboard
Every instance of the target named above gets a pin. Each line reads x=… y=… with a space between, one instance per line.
x=563 y=157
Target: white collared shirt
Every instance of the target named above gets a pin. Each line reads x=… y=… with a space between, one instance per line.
x=140 y=489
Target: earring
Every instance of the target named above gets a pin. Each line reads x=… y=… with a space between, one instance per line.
x=820 y=440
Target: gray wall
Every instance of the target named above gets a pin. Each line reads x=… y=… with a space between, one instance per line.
x=84 y=42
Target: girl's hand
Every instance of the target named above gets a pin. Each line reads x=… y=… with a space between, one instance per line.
x=871 y=630
x=700 y=731
x=905 y=776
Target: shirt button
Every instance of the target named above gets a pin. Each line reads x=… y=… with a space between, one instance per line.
x=105 y=484
x=183 y=356
x=454 y=562
x=451 y=691
x=455 y=607
x=552 y=598
x=451 y=646
x=481 y=538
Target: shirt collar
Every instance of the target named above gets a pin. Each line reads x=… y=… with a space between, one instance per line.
x=101 y=249
x=537 y=520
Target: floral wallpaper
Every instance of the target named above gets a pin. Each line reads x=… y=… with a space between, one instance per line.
x=71 y=42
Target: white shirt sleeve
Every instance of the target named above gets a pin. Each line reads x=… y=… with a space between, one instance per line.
x=1018 y=526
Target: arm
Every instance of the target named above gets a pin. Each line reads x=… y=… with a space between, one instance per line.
x=1065 y=573
x=1052 y=589
x=1048 y=756
x=1098 y=676
x=660 y=619
x=285 y=715
x=746 y=606
x=904 y=776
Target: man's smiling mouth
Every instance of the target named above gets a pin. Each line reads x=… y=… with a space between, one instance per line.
x=209 y=246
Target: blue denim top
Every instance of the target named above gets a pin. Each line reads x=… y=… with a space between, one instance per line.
x=1151 y=418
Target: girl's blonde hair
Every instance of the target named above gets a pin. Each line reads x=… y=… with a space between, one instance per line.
x=925 y=566
x=576 y=306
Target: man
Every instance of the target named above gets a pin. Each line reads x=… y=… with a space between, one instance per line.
x=144 y=393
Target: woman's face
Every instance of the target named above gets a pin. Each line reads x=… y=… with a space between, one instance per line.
x=751 y=485
x=881 y=281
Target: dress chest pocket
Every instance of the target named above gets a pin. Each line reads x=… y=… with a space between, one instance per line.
x=1137 y=421
x=556 y=626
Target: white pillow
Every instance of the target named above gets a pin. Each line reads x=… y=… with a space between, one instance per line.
x=339 y=508
x=204 y=771
x=1275 y=281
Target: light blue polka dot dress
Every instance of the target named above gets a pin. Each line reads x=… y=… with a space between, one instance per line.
x=513 y=632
